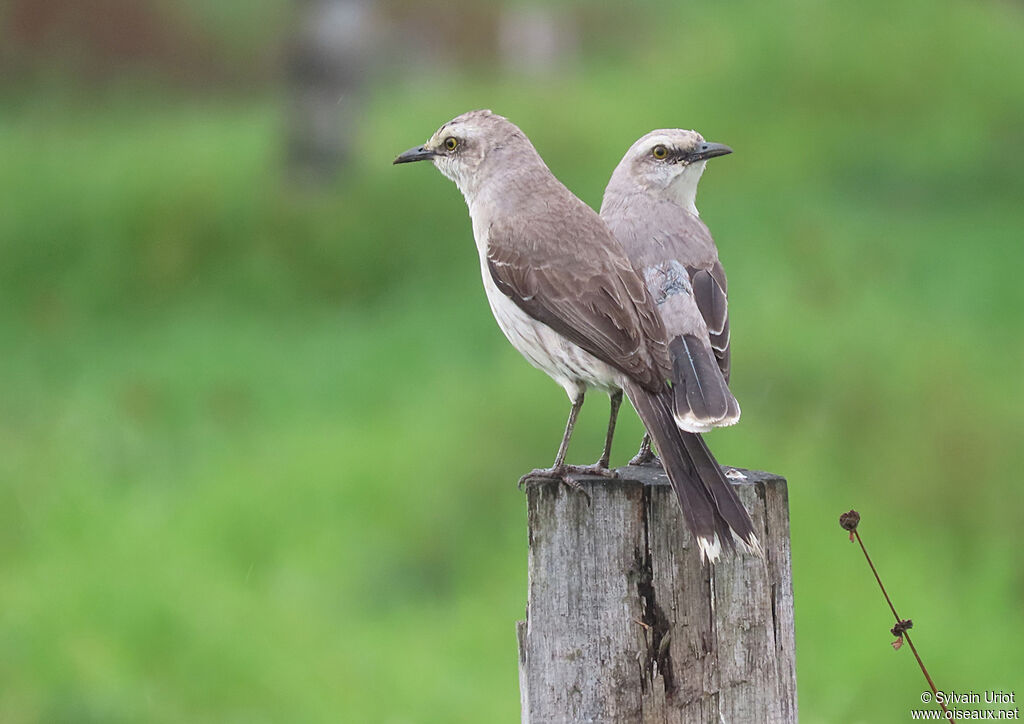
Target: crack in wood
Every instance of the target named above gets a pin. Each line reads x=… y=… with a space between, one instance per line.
x=658 y=659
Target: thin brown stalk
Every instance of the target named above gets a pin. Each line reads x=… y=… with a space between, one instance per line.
x=850 y=521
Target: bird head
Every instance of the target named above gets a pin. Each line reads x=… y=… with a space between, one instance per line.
x=667 y=163
x=465 y=145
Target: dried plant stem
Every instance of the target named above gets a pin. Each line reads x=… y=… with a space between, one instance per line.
x=905 y=634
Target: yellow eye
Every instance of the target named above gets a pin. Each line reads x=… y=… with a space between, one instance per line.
x=659 y=152
x=450 y=143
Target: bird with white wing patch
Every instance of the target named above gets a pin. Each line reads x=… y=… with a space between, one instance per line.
x=565 y=294
x=650 y=207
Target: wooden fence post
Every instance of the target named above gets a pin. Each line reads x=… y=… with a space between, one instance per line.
x=623 y=623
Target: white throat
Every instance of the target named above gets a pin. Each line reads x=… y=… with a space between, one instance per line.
x=683 y=189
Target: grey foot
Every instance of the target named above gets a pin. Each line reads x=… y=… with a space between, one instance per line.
x=566 y=473
x=599 y=469
x=646 y=457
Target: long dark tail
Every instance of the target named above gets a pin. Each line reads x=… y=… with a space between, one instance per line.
x=713 y=511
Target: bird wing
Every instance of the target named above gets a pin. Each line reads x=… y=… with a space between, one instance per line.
x=579 y=282
x=710 y=291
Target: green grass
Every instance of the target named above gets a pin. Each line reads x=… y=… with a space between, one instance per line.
x=258 y=447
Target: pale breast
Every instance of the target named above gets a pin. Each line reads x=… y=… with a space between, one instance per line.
x=569 y=365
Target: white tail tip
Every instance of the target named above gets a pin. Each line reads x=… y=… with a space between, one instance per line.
x=710 y=549
x=691 y=423
x=752 y=546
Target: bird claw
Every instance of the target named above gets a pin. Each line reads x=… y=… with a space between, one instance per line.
x=567 y=474
x=541 y=474
x=646 y=458
x=734 y=474
x=576 y=486
x=597 y=469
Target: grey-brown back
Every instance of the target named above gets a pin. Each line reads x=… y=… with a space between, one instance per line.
x=556 y=259
x=676 y=255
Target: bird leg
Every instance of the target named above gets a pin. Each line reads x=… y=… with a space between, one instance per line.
x=616 y=399
x=646 y=455
x=561 y=471
x=570 y=425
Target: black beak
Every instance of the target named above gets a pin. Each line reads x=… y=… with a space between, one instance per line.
x=708 y=150
x=420 y=153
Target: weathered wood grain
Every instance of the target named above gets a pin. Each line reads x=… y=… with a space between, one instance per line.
x=624 y=624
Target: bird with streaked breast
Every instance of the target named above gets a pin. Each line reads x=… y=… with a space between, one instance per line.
x=564 y=293
x=650 y=207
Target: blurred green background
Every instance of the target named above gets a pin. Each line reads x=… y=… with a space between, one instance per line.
x=259 y=437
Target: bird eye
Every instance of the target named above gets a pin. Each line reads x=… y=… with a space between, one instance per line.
x=659 y=152
x=451 y=143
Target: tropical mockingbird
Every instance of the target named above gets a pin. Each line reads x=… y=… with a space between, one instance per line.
x=650 y=207
x=566 y=296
